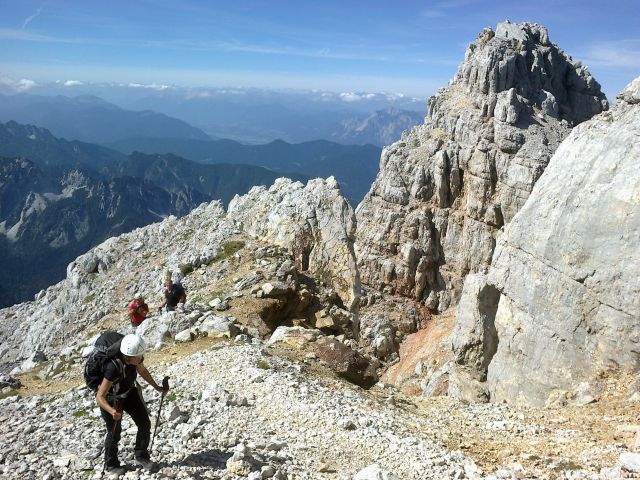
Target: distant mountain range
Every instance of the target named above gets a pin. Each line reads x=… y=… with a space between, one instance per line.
x=245 y=115
x=58 y=198
x=39 y=145
x=91 y=119
x=355 y=167
x=382 y=127
x=55 y=207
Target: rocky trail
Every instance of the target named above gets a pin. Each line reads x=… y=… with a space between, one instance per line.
x=260 y=410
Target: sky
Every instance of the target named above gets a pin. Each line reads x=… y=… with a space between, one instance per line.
x=410 y=47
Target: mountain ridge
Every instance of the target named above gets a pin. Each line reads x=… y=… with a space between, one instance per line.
x=91 y=119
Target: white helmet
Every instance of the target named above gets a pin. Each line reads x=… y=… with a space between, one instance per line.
x=132 y=345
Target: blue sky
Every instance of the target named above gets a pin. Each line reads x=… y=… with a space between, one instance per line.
x=410 y=47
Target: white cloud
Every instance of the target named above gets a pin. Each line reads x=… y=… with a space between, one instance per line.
x=354 y=97
x=73 y=83
x=442 y=8
x=152 y=86
x=18 y=85
x=621 y=54
x=350 y=97
x=29 y=19
x=25 y=84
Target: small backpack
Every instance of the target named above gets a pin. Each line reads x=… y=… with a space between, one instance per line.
x=104 y=350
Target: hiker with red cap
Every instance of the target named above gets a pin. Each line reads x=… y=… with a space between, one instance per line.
x=138 y=310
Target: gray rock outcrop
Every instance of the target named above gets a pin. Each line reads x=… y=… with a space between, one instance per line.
x=315 y=222
x=100 y=282
x=567 y=269
x=446 y=189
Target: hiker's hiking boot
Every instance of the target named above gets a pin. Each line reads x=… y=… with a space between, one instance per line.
x=147 y=464
x=116 y=470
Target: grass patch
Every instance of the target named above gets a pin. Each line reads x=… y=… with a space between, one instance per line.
x=80 y=413
x=61 y=368
x=185 y=269
x=11 y=393
x=89 y=298
x=567 y=465
x=262 y=364
x=186 y=235
x=171 y=397
x=229 y=249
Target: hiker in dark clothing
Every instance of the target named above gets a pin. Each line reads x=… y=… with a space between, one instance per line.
x=119 y=392
x=173 y=294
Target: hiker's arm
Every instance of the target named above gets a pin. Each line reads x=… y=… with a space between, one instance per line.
x=101 y=399
x=144 y=373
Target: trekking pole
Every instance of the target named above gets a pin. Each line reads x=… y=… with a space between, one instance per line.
x=165 y=389
x=118 y=408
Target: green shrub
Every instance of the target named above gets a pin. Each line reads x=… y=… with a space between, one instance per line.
x=185 y=268
x=171 y=397
x=229 y=249
x=80 y=413
x=262 y=364
x=567 y=465
x=10 y=393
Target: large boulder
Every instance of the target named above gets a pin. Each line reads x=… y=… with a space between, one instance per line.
x=567 y=267
x=346 y=362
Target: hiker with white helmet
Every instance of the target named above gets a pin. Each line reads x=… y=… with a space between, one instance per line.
x=118 y=392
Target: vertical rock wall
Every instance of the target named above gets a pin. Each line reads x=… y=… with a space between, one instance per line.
x=447 y=187
x=568 y=266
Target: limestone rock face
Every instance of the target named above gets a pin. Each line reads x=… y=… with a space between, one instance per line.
x=447 y=187
x=568 y=265
x=100 y=282
x=315 y=222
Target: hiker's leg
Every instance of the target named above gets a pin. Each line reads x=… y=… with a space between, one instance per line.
x=111 y=439
x=135 y=407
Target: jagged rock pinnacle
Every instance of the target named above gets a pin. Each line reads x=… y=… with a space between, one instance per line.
x=448 y=186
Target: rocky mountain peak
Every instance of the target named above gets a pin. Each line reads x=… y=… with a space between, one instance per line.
x=515 y=69
x=74 y=179
x=448 y=186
